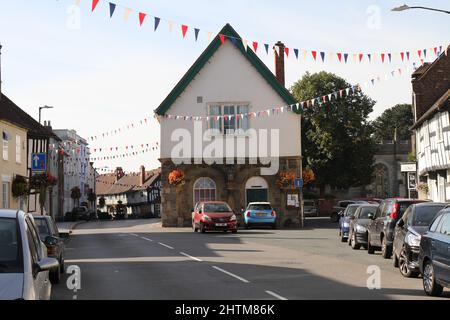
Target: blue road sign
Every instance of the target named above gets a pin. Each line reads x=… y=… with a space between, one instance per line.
x=38 y=162
x=298 y=183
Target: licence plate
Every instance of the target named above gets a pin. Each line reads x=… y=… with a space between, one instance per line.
x=221 y=224
x=260 y=214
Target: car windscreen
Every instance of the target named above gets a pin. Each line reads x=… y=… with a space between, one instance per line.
x=350 y=211
x=43 y=227
x=10 y=253
x=217 y=207
x=402 y=206
x=424 y=215
x=365 y=211
x=260 y=206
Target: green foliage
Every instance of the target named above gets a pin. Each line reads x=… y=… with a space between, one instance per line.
x=19 y=187
x=336 y=135
x=411 y=157
x=400 y=117
x=92 y=197
x=75 y=193
x=102 y=202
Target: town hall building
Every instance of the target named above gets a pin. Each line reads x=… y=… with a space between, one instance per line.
x=227 y=81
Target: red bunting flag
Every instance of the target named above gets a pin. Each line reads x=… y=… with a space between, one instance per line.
x=94 y=4
x=286 y=51
x=382 y=57
x=435 y=51
x=402 y=54
x=184 y=29
x=360 y=57
x=314 y=54
x=142 y=17
x=222 y=38
x=419 y=53
x=339 y=57
x=255 y=46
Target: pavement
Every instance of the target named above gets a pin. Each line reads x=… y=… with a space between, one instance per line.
x=137 y=259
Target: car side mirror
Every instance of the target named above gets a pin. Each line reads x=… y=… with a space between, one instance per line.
x=51 y=241
x=64 y=234
x=46 y=264
x=401 y=223
x=371 y=216
x=341 y=214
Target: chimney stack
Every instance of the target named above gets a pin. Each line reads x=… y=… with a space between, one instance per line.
x=279 y=62
x=142 y=176
x=119 y=173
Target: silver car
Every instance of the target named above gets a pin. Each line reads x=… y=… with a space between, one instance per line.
x=24 y=265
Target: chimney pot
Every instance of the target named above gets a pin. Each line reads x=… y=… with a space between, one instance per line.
x=142 y=175
x=279 y=62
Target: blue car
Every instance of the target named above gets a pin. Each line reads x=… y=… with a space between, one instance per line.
x=260 y=214
x=345 y=219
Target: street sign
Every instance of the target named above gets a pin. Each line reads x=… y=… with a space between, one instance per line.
x=38 y=162
x=409 y=167
x=298 y=183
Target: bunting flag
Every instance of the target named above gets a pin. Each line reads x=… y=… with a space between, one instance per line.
x=286 y=52
x=142 y=18
x=184 y=29
x=222 y=38
x=112 y=8
x=429 y=52
x=94 y=4
x=157 y=21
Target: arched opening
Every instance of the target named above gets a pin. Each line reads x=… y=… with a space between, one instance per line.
x=256 y=190
x=204 y=190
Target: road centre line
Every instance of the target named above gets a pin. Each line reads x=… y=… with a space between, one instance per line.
x=191 y=257
x=165 y=245
x=147 y=239
x=273 y=294
x=231 y=274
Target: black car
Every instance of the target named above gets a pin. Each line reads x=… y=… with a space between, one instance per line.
x=408 y=232
x=434 y=255
x=358 y=230
x=380 y=231
x=54 y=241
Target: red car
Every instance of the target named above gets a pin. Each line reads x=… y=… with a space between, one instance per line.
x=213 y=216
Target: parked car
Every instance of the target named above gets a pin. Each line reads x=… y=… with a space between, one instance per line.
x=358 y=225
x=54 y=241
x=408 y=232
x=78 y=214
x=434 y=255
x=380 y=231
x=214 y=216
x=344 y=221
x=260 y=214
x=341 y=206
x=24 y=265
x=310 y=208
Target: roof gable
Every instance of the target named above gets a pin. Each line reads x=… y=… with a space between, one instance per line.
x=229 y=32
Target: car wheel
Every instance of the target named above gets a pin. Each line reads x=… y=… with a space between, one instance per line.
x=370 y=249
x=234 y=231
x=403 y=265
x=194 y=227
x=386 y=250
x=55 y=276
x=202 y=228
x=430 y=286
x=354 y=243
x=61 y=265
x=274 y=226
x=247 y=226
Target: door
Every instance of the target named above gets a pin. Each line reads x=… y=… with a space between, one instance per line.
x=442 y=245
x=257 y=195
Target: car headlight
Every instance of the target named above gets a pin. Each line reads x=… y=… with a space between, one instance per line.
x=360 y=229
x=233 y=218
x=346 y=225
x=412 y=239
x=207 y=218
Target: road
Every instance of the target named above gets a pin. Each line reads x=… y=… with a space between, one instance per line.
x=137 y=259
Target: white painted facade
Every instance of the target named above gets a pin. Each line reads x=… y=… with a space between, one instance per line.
x=433 y=155
x=230 y=74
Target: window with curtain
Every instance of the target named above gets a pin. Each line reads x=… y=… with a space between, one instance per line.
x=229 y=125
x=204 y=190
x=5 y=147
x=18 y=149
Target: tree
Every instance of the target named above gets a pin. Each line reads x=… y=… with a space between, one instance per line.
x=336 y=135
x=102 y=202
x=400 y=117
x=75 y=194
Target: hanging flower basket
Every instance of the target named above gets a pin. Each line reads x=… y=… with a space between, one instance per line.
x=423 y=187
x=19 y=187
x=285 y=179
x=176 y=178
x=42 y=180
x=308 y=176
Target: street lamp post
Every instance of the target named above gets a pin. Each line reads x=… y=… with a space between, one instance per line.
x=406 y=7
x=44 y=107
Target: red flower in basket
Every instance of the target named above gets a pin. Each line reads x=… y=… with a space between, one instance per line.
x=176 y=178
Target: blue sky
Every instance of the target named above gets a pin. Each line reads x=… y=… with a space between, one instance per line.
x=107 y=73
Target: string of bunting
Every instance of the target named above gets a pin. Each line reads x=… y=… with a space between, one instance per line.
x=151 y=146
x=341 y=56
x=300 y=106
x=120 y=156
